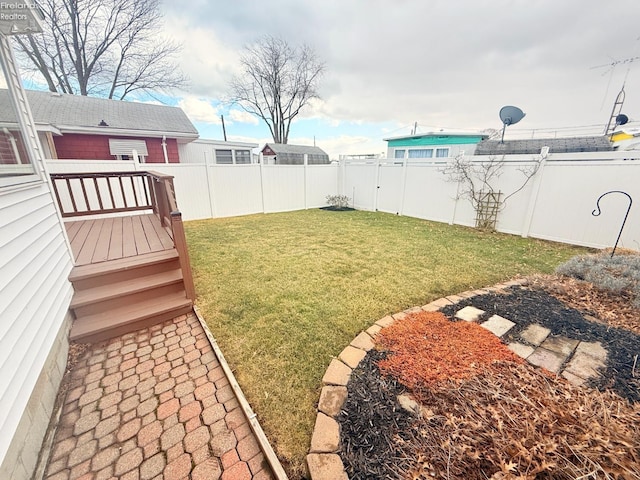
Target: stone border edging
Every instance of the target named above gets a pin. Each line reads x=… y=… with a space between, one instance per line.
x=265 y=446
x=323 y=460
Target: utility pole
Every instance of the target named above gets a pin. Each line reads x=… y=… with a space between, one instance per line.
x=224 y=130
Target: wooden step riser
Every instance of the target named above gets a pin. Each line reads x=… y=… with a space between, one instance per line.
x=130 y=299
x=124 y=275
x=129 y=327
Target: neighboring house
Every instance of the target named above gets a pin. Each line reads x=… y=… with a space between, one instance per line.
x=433 y=145
x=87 y=128
x=626 y=139
x=286 y=154
x=599 y=143
x=217 y=152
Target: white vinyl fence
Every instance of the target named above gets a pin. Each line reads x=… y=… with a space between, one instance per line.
x=212 y=191
x=556 y=204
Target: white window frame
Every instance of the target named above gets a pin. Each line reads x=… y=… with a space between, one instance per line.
x=241 y=151
x=225 y=150
x=445 y=149
x=420 y=150
x=123 y=149
x=25 y=170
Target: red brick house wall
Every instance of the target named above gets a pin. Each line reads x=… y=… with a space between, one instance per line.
x=75 y=146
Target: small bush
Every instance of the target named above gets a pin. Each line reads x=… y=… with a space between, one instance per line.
x=338 y=201
x=618 y=274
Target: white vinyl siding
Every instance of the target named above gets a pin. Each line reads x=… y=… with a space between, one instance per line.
x=34 y=296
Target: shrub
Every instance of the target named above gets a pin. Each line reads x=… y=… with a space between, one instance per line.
x=338 y=201
x=617 y=274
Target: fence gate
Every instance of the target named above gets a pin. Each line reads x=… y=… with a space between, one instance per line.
x=389 y=194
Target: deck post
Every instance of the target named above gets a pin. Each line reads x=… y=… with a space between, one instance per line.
x=180 y=242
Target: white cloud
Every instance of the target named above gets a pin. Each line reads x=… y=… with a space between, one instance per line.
x=344 y=145
x=443 y=64
x=243 y=117
x=199 y=110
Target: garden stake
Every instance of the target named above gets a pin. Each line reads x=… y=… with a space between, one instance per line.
x=597 y=212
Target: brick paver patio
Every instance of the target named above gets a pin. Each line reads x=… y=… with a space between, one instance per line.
x=152 y=405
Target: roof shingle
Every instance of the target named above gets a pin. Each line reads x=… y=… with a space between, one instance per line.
x=65 y=110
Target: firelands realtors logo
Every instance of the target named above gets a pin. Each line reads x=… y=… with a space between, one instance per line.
x=11 y=11
x=19 y=17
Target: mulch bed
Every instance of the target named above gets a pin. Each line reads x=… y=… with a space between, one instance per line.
x=525 y=306
x=505 y=419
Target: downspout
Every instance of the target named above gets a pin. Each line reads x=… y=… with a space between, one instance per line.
x=164 y=149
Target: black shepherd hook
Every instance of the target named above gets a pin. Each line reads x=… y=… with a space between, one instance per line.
x=597 y=212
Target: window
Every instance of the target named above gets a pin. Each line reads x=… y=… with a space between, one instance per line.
x=421 y=153
x=243 y=156
x=123 y=149
x=442 y=152
x=16 y=166
x=224 y=157
x=399 y=154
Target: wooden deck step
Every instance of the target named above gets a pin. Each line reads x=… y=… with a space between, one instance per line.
x=108 y=273
x=108 y=291
x=84 y=272
x=129 y=317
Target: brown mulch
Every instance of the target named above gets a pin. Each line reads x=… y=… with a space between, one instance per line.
x=517 y=423
x=613 y=309
x=427 y=349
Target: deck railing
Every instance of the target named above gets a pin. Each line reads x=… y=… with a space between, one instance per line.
x=81 y=194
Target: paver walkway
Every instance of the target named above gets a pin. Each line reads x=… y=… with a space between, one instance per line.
x=576 y=361
x=154 y=404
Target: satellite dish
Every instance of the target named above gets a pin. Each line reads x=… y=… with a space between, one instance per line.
x=509 y=116
x=621 y=119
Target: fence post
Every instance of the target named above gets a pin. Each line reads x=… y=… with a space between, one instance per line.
x=261 y=161
x=456 y=198
x=376 y=186
x=207 y=171
x=533 y=198
x=306 y=164
x=405 y=166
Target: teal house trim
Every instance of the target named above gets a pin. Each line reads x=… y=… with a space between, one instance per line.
x=430 y=139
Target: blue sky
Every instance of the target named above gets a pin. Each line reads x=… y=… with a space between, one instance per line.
x=443 y=64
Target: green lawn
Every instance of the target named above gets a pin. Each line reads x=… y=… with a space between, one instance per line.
x=285 y=293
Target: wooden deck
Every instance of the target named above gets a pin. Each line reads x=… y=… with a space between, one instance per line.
x=101 y=240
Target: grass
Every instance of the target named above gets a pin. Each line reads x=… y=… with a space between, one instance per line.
x=284 y=293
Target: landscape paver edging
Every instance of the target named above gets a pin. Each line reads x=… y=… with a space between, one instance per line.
x=323 y=462
x=265 y=446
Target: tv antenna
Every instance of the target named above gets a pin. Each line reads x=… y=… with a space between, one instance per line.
x=510 y=115
x=617 y=105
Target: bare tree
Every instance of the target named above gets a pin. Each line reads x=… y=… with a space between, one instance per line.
x=277 y=81
x=102 y=47
x=476 y=180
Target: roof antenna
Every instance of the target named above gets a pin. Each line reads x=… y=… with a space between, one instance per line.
x=510 y=115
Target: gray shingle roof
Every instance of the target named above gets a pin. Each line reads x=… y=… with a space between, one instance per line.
x=296 y=149
x=67 y=110
x=533 y=146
